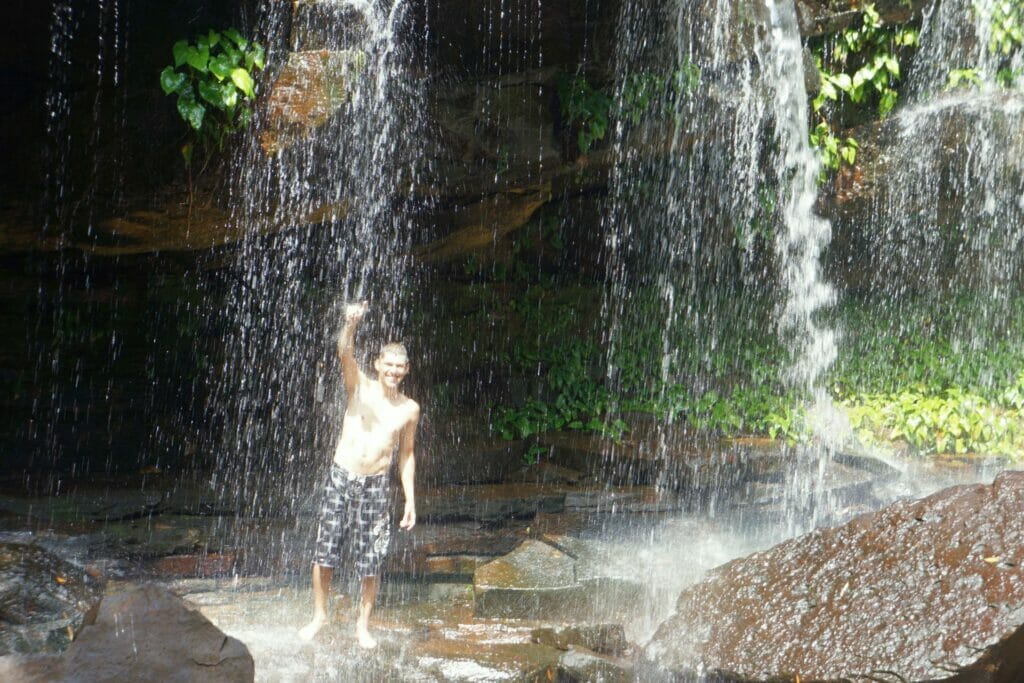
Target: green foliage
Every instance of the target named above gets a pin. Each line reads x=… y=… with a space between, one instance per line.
x=212 y=82
x=1006 y=38
x=950 y=422
x=958 y=77
x=1007 y=26
x=762 y=225
x=586 y=108
x=590 y=111
x=863 y=64
x=832 y=149
x=903 y=376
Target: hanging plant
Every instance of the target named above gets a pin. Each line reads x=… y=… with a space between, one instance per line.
x=212 y=81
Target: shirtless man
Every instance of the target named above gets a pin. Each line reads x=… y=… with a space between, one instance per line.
x=378 y=418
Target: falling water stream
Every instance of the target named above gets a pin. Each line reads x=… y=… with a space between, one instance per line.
x=280 y=382
x=709 y=225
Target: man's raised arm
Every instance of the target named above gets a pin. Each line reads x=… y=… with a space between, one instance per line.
x=347 y=345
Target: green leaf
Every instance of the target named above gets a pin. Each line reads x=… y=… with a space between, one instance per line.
x=257 y=57
x=242 y=79
x=229 y=95
x=211 y=92
x=181 y=50
x=849 y=154
x=583 y=141
x=221 y=67
x=212 y=38
x=171 y=80
x=887 y=102
x=236 y=38
x=234 y=56
x=192 y=111
x=198 y=59
x=892 y=65
x=828 y=90
x=186 y=153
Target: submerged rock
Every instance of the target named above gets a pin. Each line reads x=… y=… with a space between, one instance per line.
x=146 y=634
x=918 y=589
x=608 y=639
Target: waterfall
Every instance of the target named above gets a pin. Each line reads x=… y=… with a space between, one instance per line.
x=801 y=243
x=343 y=159
x=948 y=220
x=729 y=202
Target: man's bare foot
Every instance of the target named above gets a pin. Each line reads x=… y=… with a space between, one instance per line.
x=309 y=631
x=365 y=639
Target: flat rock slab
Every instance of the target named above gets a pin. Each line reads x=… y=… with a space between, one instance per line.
x=533 y=580
x=557 y=576
x=607 y=639
x=919 y=589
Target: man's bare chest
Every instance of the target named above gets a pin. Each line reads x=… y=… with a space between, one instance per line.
x=378 y=417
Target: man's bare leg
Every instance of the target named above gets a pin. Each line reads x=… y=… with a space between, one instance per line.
x=321 y=591
x=370 y=585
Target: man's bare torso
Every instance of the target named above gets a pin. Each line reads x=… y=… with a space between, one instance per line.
x=372 y=428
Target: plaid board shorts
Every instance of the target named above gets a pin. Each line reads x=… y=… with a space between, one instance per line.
x=354 y=521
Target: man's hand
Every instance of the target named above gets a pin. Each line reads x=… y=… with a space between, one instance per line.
x=355 y=312
x=409 y=519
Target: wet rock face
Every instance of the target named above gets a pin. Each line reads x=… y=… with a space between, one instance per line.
x=164 y=640
x=310 y=88
x=879 y=209
x=920 y=589
x=818 y=17
x=43 y=599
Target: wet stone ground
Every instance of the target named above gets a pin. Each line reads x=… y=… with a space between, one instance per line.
x=557 y=577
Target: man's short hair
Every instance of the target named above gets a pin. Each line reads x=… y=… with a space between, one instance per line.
x=395 y=348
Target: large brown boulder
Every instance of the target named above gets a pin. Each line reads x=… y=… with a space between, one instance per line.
x=145 y=634
x=917 y=590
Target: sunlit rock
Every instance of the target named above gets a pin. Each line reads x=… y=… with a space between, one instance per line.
x=918 y=589
x=309 y=89
x=571 y=577
x=919 y=185
x=533 y=580
x=43 y=599
x=450 y=551
x=583 y=665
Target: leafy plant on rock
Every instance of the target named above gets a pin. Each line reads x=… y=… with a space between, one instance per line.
x=1005 y=21
x=863 y=64
x=213 y=85
x=590 y=110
